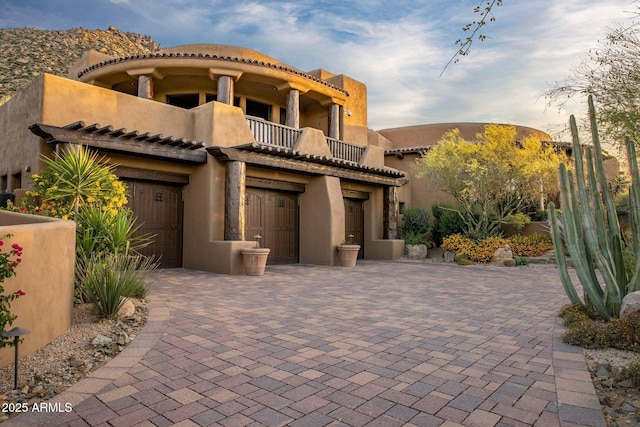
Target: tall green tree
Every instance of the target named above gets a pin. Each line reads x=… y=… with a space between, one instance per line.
x=493 y=176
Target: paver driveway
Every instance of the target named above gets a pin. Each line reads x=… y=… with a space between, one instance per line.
x=381 y=344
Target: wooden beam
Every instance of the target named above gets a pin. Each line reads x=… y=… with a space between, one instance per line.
x=391 y=213
x=234 y=203
x=226 y=154
x=130 y=143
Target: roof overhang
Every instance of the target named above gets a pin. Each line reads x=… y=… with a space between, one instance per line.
x=106 y=138
x=287 y=159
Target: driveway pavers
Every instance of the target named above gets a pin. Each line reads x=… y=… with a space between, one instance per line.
x=381 y=344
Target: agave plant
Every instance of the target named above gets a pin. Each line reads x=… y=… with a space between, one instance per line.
x=590 y=228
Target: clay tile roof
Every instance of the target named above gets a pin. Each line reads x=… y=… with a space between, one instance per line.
x=213 y=57
x=407 y=150
x=313 y=158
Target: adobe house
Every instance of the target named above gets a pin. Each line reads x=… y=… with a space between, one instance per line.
x=218 y=144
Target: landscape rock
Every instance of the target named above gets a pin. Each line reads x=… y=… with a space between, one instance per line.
x=416 y=251
x=127 y=309
x=502 y=254
x=630 y=304
x=101 y=340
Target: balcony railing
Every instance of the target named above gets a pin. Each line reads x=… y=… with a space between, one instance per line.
x=272 y=133
x=344 y=150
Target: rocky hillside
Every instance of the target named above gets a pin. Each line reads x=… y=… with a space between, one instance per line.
x=29 y=52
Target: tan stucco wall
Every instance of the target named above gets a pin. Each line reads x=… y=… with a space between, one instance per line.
x=45 y=275
x=419 y=191
x=19 y=148
x=321 y=220
x=93 y=104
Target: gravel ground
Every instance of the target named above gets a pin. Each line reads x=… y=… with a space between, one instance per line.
x=70 y=357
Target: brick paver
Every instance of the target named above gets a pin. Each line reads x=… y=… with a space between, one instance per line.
x=381 y=344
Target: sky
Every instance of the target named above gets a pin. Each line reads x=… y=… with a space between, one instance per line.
x=398 y=48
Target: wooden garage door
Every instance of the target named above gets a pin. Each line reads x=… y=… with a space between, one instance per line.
x=354 y=222
x=274 y=216
x=159 y=208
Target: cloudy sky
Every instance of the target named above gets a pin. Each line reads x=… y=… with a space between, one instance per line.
x=398 y=48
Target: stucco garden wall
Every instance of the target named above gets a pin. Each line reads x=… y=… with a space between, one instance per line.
x=45 y=275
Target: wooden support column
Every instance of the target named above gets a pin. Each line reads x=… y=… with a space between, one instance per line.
x=225 y=90
x=234 y=200
x=145 y=87
x=391 y=212
x=293 y=109
x=334 y=121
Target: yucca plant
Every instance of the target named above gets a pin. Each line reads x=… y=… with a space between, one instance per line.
x=590 y=228
x=101 y=231
x=79 y=177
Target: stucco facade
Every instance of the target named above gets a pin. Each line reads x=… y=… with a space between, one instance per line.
x=216 y=142
x=220 y=143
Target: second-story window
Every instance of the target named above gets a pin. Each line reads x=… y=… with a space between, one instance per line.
x=185 y=100
x=258 y=109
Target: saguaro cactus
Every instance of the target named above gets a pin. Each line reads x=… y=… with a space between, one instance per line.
x=590 y=227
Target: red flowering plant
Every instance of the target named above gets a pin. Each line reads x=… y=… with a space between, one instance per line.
x=9 y=260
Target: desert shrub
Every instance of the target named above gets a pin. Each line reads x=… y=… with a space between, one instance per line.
x=632 y=372
x=110 y=279
x=413 y=238
x=477 y=252
x=461 y=258
x=457 y=243
x=587 y=334
x=510 y=262
x=624 y=333
x=534 y=244
x=518 y=220
x=416 y=220
x=447 y=220
x=572 y=313
x=587 y=329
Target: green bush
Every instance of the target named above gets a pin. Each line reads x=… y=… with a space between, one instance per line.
x=416 y=220
x=108 y=279
x=413 y=238
x=518 y=220
x=447 y=220
x=510 y=262
x=461 y=258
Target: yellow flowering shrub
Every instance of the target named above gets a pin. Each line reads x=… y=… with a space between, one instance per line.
x=483 y=251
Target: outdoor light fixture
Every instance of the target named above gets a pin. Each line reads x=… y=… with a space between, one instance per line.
x=16 y=333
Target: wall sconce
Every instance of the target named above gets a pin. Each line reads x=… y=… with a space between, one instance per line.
x=347 y=112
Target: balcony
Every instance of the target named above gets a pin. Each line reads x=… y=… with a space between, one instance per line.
x=270 y=133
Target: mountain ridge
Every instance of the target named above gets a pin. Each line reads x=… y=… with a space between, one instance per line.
x=29 y=52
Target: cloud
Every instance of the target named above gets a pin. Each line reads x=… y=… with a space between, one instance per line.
x=398 y=49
